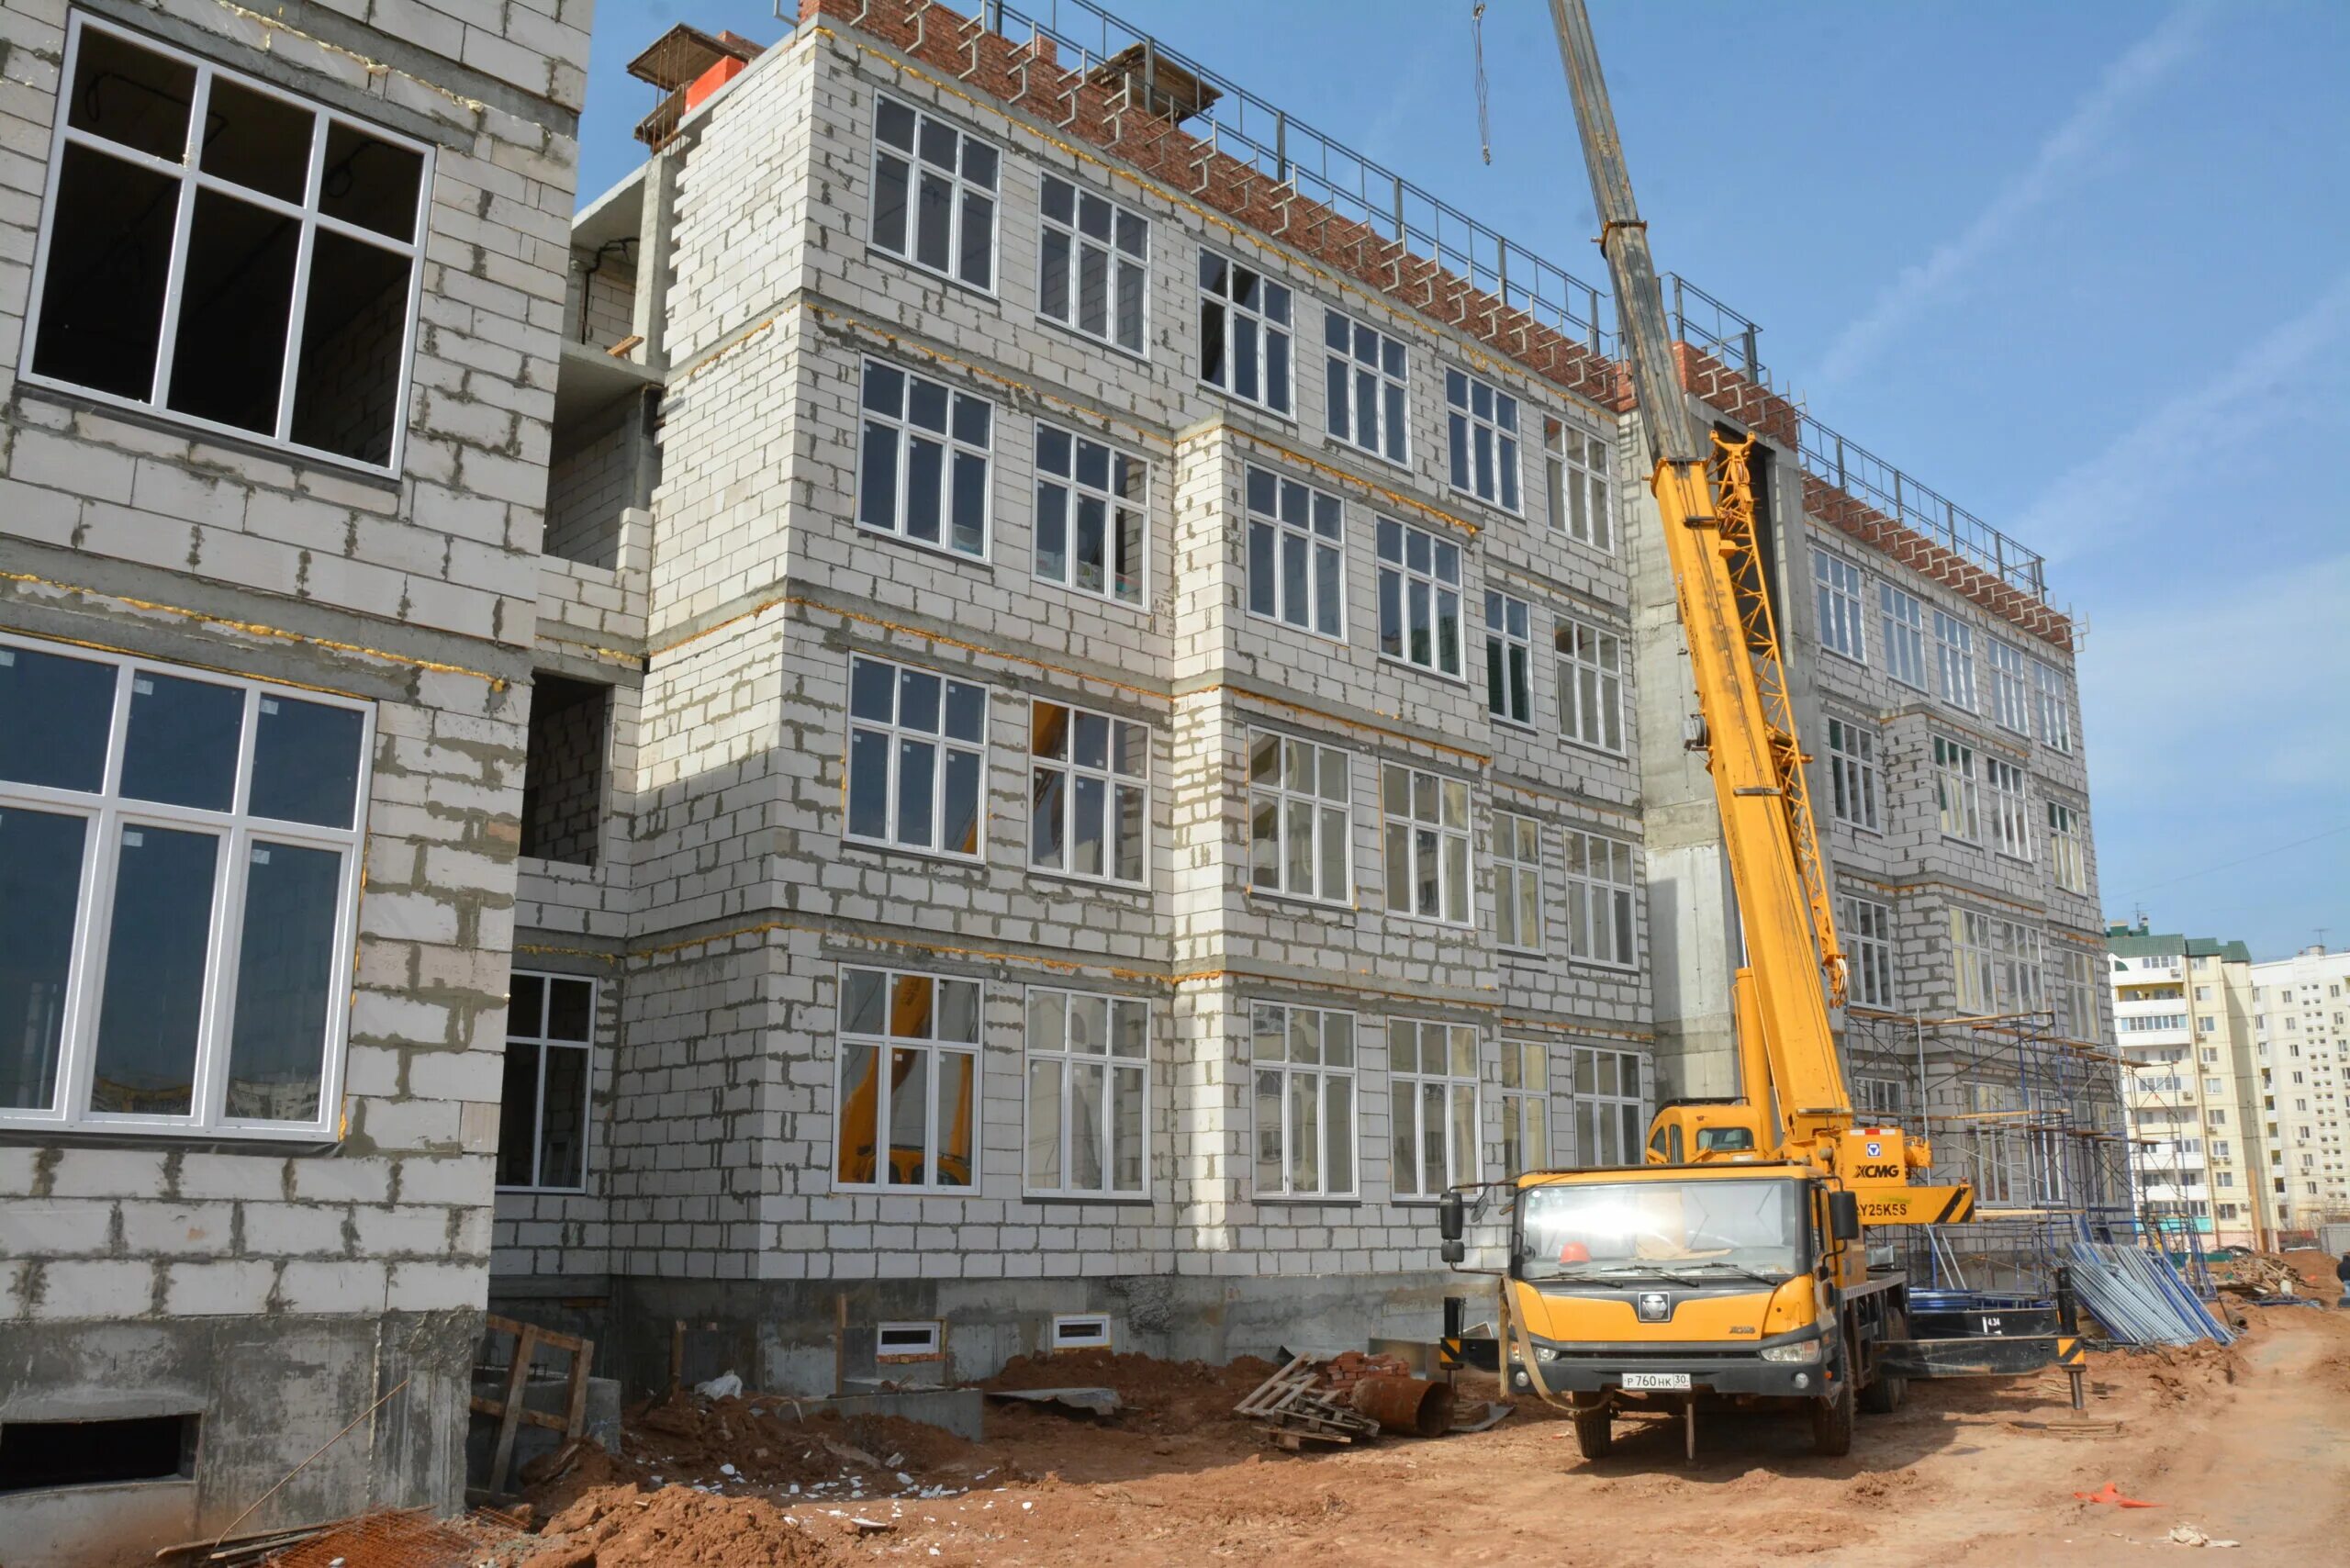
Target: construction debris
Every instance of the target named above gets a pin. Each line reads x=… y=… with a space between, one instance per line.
x=2189 y=1534
x=1294 y=1406
x=2261 y=1276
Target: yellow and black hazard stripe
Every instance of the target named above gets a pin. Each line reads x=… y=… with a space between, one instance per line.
x=1961 y=1207
x=2070 y=1351
x=1448 y=1354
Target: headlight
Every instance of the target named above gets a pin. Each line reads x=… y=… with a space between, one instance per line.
x=1544 y=1353
x=1807 y=1351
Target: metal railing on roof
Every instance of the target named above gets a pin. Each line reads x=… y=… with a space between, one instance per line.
x=1264 y=136
x=1859 y=473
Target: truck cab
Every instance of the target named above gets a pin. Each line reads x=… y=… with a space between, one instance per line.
x=1654 y=1289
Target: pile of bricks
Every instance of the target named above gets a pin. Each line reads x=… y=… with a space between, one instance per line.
x=1343 y=1370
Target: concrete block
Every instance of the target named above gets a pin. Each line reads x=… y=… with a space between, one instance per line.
x=332 y=1287
x=218 y=1288
x=98 y=1288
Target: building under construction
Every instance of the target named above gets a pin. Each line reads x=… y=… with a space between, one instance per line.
x=1025 y=708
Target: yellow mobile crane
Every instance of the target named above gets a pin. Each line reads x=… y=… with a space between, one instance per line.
x=1733 y=1265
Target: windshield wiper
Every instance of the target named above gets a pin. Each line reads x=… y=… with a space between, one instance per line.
x=1640 y=1271
x=1758 y=1277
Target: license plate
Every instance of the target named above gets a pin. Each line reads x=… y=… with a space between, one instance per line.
x=1656 y=1380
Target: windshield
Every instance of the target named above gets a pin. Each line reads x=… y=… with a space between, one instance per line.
x=1571 y=1231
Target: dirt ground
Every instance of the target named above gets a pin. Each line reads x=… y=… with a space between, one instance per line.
x=2250 y=1444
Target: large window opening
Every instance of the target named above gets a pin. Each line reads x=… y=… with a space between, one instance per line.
x=220 y=251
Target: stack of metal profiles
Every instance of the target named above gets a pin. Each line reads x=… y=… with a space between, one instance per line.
x=2139 y=1298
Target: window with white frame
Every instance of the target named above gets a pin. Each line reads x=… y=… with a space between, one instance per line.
x=1970 y=941
x=934 y=194
x=1517 y=882
x=1300 y=818
x=1841 y=590
x=1526 y=1106
x=1093 y=266
x=1879 y=1097
x=1611 y=1107
x=2073 y=975
x=1956 y=787
x=2010 y=690
x=1853 y=772
x=1509 y=659
x=179 y=879
x=1419 y=598
x=1428 y=845
x=917 y=758
x=1089 y=792
x=1093 y=512
x=1297 y=560
x=923 y=475
x=907 y=1112
x=543 y=1108
x=1903 y=619
x=1089 y=1094
x=2010 y=804
x=1999 y=964
x=1303 y=1067
x=1574 y=467
x=1244 y=332
x=1868 y=951
x=1599 y=900
x=1591 y=684
x=220 y=251
x=2015 y=966
x=1482 y=422
x=2056 y=710
x=1432 y=1106
x=1366 y=387
x=1955 y=661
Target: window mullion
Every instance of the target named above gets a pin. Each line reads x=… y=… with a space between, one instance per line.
x=208 y=1074
x=175 y=275
x=305 y=248
x=539 y=1106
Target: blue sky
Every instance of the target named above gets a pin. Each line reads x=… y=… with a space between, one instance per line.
x=2086 y=269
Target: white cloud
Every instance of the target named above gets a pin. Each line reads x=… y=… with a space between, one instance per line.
x=2080 y=509
x=2141 y=69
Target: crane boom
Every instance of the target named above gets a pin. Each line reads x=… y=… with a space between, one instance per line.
x=1707 y=508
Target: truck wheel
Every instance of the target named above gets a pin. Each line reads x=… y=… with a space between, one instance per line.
x=1831 y=1420
x=1596 y=1431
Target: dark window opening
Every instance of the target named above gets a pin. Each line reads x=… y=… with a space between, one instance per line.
x=563 y=772
x=35 y=1455
x=260 y=318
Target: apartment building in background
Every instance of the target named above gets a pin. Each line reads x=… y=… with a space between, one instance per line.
x=2185 y=1019
x=280 y=308
x=1135 y=735
x=2301 y=1045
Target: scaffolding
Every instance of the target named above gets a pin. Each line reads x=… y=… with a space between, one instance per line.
x=2031 y=1120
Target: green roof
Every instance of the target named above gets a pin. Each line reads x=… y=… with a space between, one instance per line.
x=2123 y=942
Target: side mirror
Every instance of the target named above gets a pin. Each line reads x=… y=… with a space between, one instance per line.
x=1448 y=1220
x=1453 y=1251
x=1844 y=1217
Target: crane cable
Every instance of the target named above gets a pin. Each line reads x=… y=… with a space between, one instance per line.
x=1477 y=42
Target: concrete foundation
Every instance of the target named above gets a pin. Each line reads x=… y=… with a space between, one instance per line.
x=266 y=1392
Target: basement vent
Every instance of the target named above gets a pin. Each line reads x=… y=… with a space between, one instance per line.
x=897 y=1342
x=38 y=1455
x=1081 y=1331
